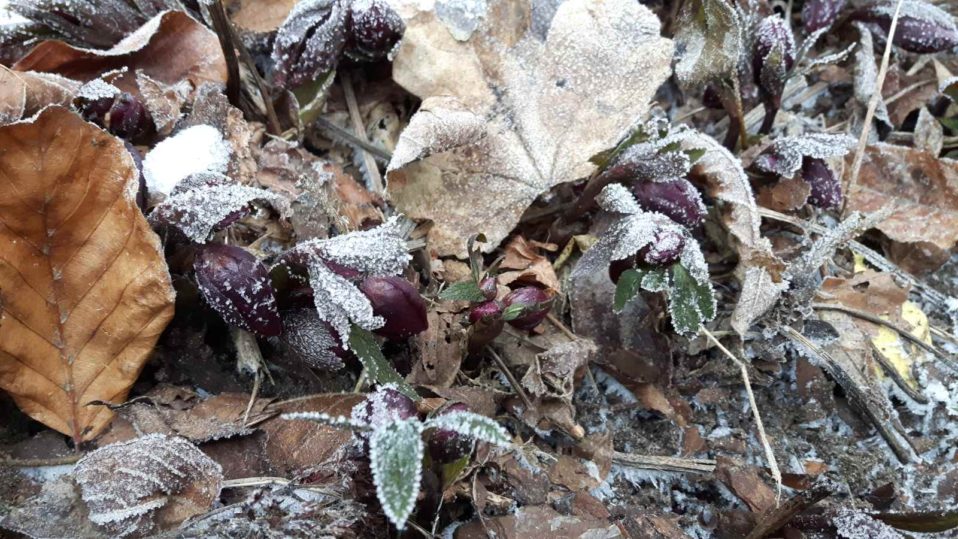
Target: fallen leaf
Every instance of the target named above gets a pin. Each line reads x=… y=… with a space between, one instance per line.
x=921 y=190
x=528 y=265
x=151 y=482
x=746 y=483
x=164 y=101
x=23 y=94
x=84 y=285
x=539 y=521
x=259 y=15
x=785 y=195
x=520 y=114
x=441 y=349
x=170 y=47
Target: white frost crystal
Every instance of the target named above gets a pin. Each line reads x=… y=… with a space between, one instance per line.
x=194 y=150
x=784 y=156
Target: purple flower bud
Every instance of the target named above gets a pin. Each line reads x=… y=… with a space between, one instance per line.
x=447 y=445
x=389 y=405
x=773 y=54
x=399 y=303
x=818 y=14
x=238 y=287
x=486 y=324
x=311 y=340
x=373 y=29
x=677 y=199
x=922 y=27
x=489 y=288
x=665 y=249
x=826 y=189
x=529 y=306
x=124 y=114
x=309 y=43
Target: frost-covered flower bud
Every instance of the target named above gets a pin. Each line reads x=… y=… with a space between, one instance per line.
x=818 y=14
x=237 y=285
x=488 y=288
x=526 y=307
x=486 y=324
x=399 y=303
x=373 y=29
x=922 y=27
x=677 y=199
x=664 y=250
x=447 y=445
x=384 y=406
x=311 y=340
x=773 y=54
x=122 y=114
x=309 y=43
x=826 y=189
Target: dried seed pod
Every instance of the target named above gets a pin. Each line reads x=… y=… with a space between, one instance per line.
x=310 y=42
x=922 y=27
x=677 y=199
x=527 y=307
x=398 y=303
x=773 y=55
x=448 y=445
x=373 y=29
x=826 y=189
x=237 y=285
x=818 y=14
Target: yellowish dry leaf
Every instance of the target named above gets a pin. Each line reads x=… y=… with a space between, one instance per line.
x=84 y=287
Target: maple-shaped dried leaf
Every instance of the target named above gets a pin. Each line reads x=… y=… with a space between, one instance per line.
x=759 y=269
x=204 y=203
x=83 y=282
x=524 y=112
x=170 y=47
x=153 y=482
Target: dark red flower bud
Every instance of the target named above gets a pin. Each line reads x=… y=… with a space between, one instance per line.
x=486 y=324
x=665 y=249
x=922 y=27
x=489 y=288
x=237 y=285
x=711 y=98
x=818 y=14
x=526 y=307
x=124 y=114
x=399 y=303
x=389 y=403
x=826 y=189
x=309 y=43
x=773 y=54
x=447 y=445
x=311 y=340
x=677 y=199
x=373 y=29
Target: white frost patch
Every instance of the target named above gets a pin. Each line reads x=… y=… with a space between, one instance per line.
x=194 y=150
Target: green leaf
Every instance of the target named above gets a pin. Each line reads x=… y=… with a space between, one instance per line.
x=463 y=291
x=690 y=302
x=950 y=123
x=630 y=282
x=695 y=154
x=395 y=457
x=602 y=159
x=512 y=312
x=378 y=369
x=478 y=427
x=656 y=280
x=927 y=522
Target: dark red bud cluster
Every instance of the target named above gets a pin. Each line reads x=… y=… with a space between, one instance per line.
x=238 y=287
x=448 y=445
x=532 y=305
x=773 y=55
x=818 y=14
x=922 y=28
x=678 y=200
x=826 y=189
x=399 y=303
x=123 y=115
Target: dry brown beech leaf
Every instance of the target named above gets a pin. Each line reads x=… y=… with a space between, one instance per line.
x=25 y=93
x=520 y=112
x=83 y=284
x=259 y=15
x=169 y=48
x=921 y=189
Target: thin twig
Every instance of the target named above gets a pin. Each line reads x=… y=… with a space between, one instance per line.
x=375 y=179
x=325 y=125
x=255 y=482
x=663 y=464
x=32 y=463
x=221 y=26
x=512 y=379
x=769 y=455
x=872 y=107
x=888 y=324
x=562 y=327
x=896 y=376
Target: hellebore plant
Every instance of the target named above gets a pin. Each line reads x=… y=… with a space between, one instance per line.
x=388 y=423
x=120 y=113
x=805 y=156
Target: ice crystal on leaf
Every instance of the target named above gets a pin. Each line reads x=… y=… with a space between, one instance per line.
x=127 y=485
x=472 y=425
x=784 y=156
x=311 y=340
x=395 y=455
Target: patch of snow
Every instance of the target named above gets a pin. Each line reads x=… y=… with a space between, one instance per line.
x=194 y=150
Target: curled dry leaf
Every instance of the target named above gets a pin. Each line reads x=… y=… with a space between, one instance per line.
x=156 y=481
x=83 y=282
x=170 y=47
x=528 y=265
x=920 y=189
x=524 y=113
x=23 y=94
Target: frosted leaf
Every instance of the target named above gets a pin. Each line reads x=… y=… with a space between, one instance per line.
x=205 y=201
x=616 y=198
x=194 y=150
x=309 y=42
x=339 y=302
x=395 y=457
x=708 y=43
x=310 y=340
x=546 y=105
x=648 y=154
x=784 y=156
x=694 y=261
x=127 y=486
x=949 y=87
x=97 y=89
x=462 y=17
x=866 y=73
x=378 y=251
x=324 y=418
x=691 y=301
x=478 y=427
x=553 y=371
x=379 y=408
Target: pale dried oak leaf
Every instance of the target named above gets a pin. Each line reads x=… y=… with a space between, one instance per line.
x=83 y=283
x=156 y=481
x=520 y=112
